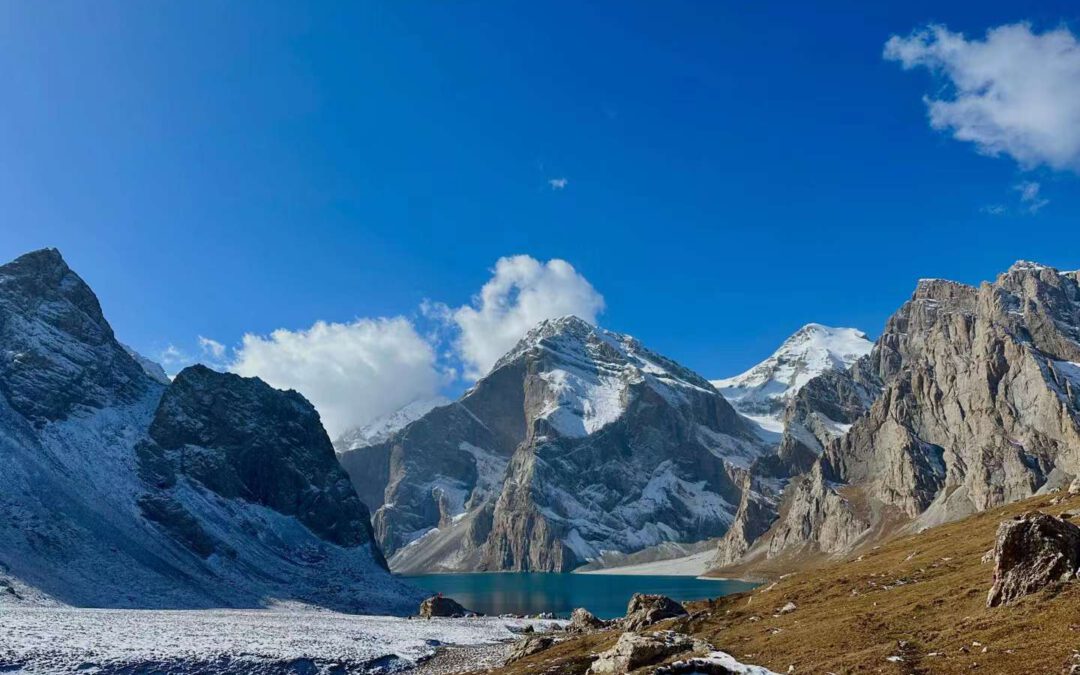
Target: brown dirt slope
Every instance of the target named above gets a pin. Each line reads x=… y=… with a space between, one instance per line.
x=921 y=598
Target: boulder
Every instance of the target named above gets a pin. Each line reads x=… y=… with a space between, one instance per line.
x=635 y=650
x=582 y=621
x=644 y=610
x=533 y=644
x=438 y=605
x=1032 y=551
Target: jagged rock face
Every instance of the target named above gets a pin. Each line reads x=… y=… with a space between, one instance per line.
x=764 y=391
x=578 y=441
x=817 y=414
x=977 y=405
x=117 y=491
x=243 y=439
x=58 y=351
x=980 y=400
x=1030 y=553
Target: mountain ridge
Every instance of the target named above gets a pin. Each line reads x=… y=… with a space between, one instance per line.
x=122 y=491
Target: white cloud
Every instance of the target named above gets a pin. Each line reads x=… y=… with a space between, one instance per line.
x=521 y=293
x=352 y=373
x=1030 y=197
x=1016 y=92
x=558 y=183
x=211 y=348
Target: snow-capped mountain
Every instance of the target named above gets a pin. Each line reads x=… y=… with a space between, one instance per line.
x=761 y=392
x=579 y=441
x=118 y=490
x=382 y=428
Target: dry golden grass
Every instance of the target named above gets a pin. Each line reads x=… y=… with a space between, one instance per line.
x=919 y=597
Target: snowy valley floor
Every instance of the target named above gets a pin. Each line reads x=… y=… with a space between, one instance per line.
x=60 y=640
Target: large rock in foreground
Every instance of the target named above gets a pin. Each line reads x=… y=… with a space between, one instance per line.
x=438 y=605
x=634 y=650
x=1032 y=552
x=645 y=610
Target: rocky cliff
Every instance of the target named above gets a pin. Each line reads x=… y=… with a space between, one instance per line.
x=120 y=491
x=579 y=441
x=973 y=403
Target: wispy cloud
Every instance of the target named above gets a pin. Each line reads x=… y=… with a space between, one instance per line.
x=558 y=183
x=211 y=348
x=1030 y=197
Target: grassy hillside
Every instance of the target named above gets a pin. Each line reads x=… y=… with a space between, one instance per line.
x=921 y=598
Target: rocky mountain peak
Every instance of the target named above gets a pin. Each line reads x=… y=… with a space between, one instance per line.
x=57 y=351
x=762 y=391
x=579 y=441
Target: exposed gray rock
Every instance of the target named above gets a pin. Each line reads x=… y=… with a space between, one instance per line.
x=1033 y=551
x=534 y=644
x=438 y=605
x=578 y=441
x=645 y=610
x=635 y=650
x=582 y=620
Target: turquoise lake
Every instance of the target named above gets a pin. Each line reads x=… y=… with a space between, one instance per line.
x=605 y=595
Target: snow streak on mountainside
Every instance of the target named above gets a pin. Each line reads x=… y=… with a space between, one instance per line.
x=382 y=428
x=579 y=441
x=119 y=491
x=761 y=392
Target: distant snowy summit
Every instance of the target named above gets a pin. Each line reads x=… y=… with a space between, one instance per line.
x=382 y=428
x=761 y=392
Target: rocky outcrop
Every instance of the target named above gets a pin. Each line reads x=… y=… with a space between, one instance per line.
x=645 y=610
x=242 y=439
x=1032 y=552
x=119 y=490
x=438 y=605
x=973 y=403
x=583 y=621
x=636 y=650
x=578 y=441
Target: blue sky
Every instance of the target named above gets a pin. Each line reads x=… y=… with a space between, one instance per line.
x=733 y=170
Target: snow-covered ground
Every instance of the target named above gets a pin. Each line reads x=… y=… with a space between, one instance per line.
x=61 y=640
